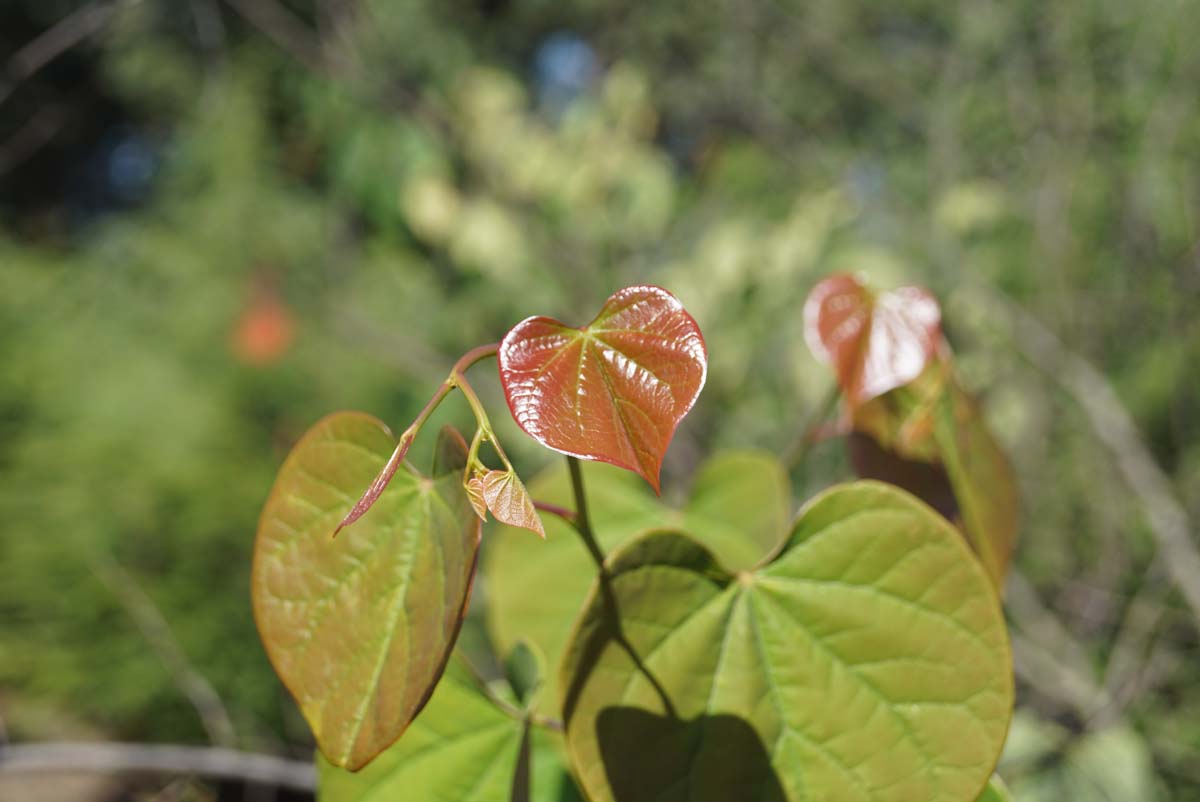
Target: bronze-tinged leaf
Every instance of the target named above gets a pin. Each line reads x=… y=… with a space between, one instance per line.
x=957 y=467
x=359 y=628
x=508 y=500
x=875 y=342
x=614 y=390
x=983 y=481
x=474 y=488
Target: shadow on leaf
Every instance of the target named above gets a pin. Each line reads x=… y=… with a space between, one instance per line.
x=653 y=758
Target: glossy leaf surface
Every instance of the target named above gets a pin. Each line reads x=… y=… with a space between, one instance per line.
x=875 y=341
x=462 y=748
x=867 y=662
x=614 y=390
x=739 y=507
x=359 y=627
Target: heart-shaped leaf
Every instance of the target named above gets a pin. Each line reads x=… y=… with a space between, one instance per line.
x=614 y=390
x=359 y=627
x=504 y=494
x=875 y=342
x=867 y=662
x=740 y=505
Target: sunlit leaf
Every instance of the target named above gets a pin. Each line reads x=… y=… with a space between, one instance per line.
x=996 y=791
x=359 y=627
x=536 y=588
x=874 y=341
x=508 y=500
x=462 y=747
x=740 y=507
x=867 y=662
x=614 y=390
x=983 y=481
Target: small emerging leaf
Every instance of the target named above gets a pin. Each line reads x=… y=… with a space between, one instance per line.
x=614 y=390
x=474 y=488
x=507 y=498
x=875 y=342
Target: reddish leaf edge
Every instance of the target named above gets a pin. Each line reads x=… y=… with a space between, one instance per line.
x=377 y=486
x=460 y=617
x=655 y=480
x=456 y=379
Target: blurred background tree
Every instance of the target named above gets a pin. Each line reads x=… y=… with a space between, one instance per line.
x=220 y=219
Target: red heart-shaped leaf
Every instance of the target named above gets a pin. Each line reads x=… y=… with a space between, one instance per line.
x=614 y=390
x=875 y=342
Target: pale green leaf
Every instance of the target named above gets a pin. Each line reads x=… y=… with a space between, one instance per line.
x=536 y=589
x=359 y=627
x=462 y=748
x=867 y=662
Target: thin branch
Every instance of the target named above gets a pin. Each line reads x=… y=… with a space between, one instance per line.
x=205 y=761
x=284 y=28
x=53 y=42
x=1115 y=428
x=1046 y=656
x=32 y=136
x=154 y=627
x=557 y=511
x=811 y=430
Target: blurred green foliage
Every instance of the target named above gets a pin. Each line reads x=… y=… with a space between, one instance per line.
x=399 y=186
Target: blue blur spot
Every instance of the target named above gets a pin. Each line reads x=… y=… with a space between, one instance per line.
x=565 y=67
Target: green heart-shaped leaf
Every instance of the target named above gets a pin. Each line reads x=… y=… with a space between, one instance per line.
x=867 y=661
x=739 y=507
x=614 y=390
x=359 y=627
x=462 y=747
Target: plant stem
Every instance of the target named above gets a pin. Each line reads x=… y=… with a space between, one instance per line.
x=796 y=453
x=477 y=354
x=583 y=524
x=455 y=379
x=557 y=511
